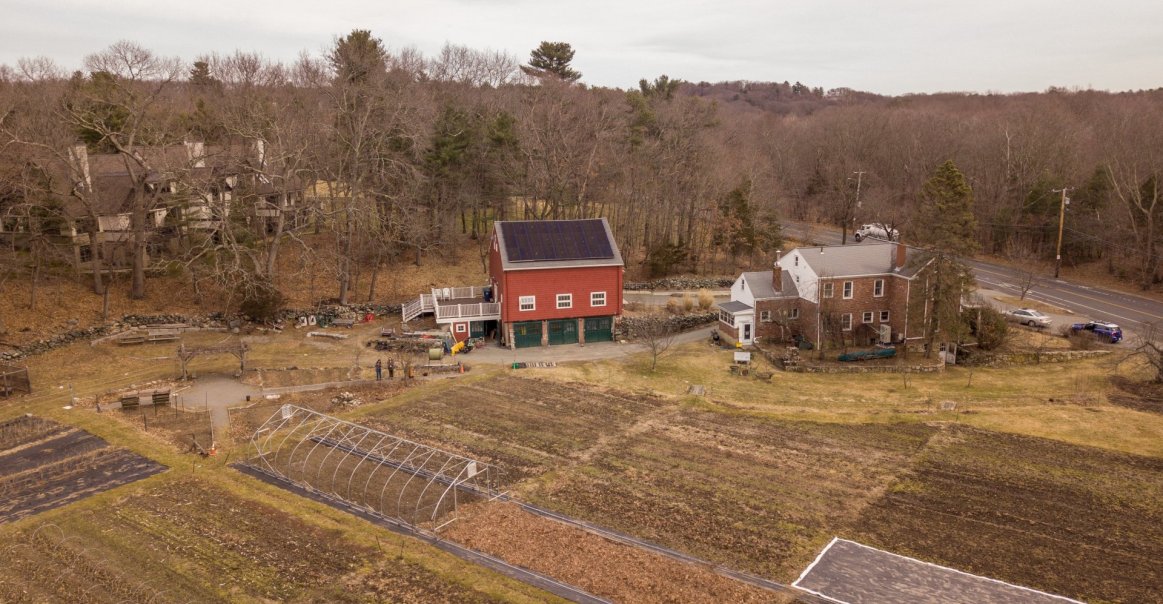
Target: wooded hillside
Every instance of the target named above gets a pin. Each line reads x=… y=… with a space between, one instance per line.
x=397 y=151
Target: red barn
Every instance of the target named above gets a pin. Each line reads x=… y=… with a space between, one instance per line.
x=557 y=281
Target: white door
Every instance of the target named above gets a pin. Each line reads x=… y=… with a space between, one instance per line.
x=745 y=336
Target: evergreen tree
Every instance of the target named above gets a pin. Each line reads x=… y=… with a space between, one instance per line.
x=357 y=57
x=551 y=59
x=947 y=230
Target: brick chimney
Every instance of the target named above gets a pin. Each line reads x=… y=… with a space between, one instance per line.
x=901 y=256
x=776 y=274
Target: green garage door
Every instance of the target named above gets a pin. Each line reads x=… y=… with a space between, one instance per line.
x=527 y=334
x=563 y=331
x=600 y=329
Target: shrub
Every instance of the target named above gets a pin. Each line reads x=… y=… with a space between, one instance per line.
x=989 y=327
x=261 y=301
x=673 y=306
x=688 y=302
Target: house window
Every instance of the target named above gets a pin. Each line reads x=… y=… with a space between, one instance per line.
x=727 y=317
x=797 y=260
x=461 y=328
x=878 y=288
x=86 y=253
x=565 y=300
x=793 y=313
x=828 y=289
x=867 y=317
x=847 y=290
x=528 y=302
x=846 y=321
x=765 y=316
x=597 y=298
x=884 y=316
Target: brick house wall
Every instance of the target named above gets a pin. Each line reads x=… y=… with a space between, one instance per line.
x=895 y=300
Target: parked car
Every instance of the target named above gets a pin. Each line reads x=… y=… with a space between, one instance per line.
x=876 y=231
x=1028 y=316
x=1104 y=331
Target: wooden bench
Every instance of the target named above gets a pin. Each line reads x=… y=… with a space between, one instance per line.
x=348 y=323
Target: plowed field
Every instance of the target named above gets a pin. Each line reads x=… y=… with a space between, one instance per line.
x=1084 y=523
x=188 y=541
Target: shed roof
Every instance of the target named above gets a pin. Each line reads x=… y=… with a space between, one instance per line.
x=734 y=306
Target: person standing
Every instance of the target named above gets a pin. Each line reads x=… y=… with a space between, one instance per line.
x=391 y=369
x=379 y=370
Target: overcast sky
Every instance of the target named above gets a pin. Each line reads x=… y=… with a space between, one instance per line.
x=887 y=46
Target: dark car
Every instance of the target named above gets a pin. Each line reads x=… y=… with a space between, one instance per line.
x=1104 y=331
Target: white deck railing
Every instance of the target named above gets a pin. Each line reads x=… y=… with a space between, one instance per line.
x=428 y=303
x=464 y=311
x=453 y=293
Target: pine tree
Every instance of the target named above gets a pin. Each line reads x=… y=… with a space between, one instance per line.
x=551 y=59
x=947 y=229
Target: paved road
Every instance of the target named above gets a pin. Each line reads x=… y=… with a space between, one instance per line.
x=1134 y=313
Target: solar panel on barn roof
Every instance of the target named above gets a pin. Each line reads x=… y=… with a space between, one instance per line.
x=533 y=241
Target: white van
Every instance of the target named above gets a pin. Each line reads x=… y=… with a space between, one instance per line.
x=876 y=231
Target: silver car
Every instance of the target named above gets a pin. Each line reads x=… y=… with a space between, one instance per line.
x=1028 y=316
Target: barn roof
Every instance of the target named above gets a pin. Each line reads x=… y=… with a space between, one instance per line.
x=539 y=244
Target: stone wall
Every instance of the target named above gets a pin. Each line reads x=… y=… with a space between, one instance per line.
x=200 y=321
x=791 y=360
x=633 y=327
x=992 y=359
x=680 y=284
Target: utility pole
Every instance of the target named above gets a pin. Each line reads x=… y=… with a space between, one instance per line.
x=1061 y=222
x=843 y=228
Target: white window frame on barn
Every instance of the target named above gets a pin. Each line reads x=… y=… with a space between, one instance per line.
x=597 y=298
x=525 y=303
x=878 y=288
x=848 y=289
x=564 y=301
x=846 y=322
x=461 y=328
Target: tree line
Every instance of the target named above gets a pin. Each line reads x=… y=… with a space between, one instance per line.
x=404 y=156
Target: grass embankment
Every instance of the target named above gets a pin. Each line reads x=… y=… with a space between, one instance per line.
x=1063 y=401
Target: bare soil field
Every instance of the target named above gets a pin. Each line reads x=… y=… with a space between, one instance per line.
x=1070 y=520
x=597 y=565
x=525 y=426
x=764 y=494
x=189 y=541
x=752 y=494
x=44 y=465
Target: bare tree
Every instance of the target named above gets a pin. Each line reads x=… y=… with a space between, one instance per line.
x=120 y=106
x=657 y=335
x=1149 y=348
